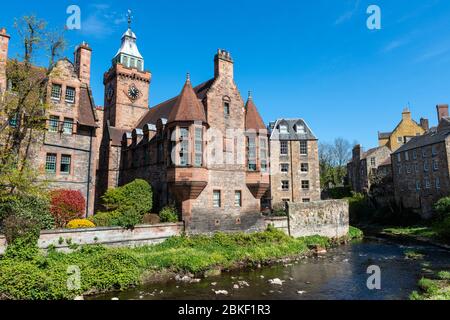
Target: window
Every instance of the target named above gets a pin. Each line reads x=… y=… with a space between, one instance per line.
x=425 y=166
x=305 y=184
x=70 y=94
x=50 y=163
x=373 y=162
x=132 y=62
x=251 y=156
x=184 y=148
x=283 y=148
x=438 y=183
x=304 y=167
x=53 y=124
x=263 y=153
x=306 y=200
x=125 y=61
x=434 y=150
x=399 y=157
x=303 y=147
x=217 y=199
x=226 y=106
x=408 y=169
x=400 y=139
x=65 y=164
x=56 y=92
x=13 y=121
x=407 y=156
x=435 y=165
x=414 y=154
x=300 y=129
x=139 y=65
x=399 y=169
x=427 y=183
x=285 y=185
x=284 y=129
x=68 y=126
x=424 y=153
x=417 y=185
x=284 y=167
x=238 y=199
x=198 y=147
x=416 y=167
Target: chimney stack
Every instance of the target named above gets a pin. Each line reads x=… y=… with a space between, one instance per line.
x=82 y=59
x=4 y=43
x=424 y=123
x=406 y=114
x=442 y=111
x=223 y=64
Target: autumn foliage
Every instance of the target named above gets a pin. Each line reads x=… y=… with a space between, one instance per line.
x=66 y=205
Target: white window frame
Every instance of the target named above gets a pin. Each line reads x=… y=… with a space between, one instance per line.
x=56 y=94
x=70 y=98
x=217 y=199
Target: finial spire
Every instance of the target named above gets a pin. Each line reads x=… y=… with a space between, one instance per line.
x=188 y=77
x=129 y=18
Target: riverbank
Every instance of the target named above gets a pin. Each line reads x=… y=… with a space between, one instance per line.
x=105 y=269
x=437 y=288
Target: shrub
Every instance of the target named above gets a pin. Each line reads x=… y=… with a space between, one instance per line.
x=26 y=206
x=137 y=194
x=442 y=208
x=80 y=224
x=22 y=235
x=105 y=219
x=66 y=205
x=169 y=214
x=129 y=218
x=443 y=228
x=151 y=218
x=355 y=233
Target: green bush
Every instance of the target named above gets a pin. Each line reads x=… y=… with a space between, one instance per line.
x=442 y=208
x=442 y=228
x=137 y=194
x=169 y=214
x=106 y=219
x=22 y=235
x=355 y=233
x=339 y=192
x=26 y=206
x=129 y=218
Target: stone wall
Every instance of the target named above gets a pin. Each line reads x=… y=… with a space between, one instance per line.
x=111 y=236
x=325 y=218
x=278 y=223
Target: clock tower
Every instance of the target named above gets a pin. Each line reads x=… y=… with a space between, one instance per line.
x=126 y=85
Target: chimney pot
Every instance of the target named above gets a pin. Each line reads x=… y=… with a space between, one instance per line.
x=442 y=111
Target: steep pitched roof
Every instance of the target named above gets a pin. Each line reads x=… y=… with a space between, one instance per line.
x=292 y=134
x=86 y=108
x=163 y=109
x=253 y=119
x=187 y=106
x=369 y=152
x=115 y=135
x=434 y=135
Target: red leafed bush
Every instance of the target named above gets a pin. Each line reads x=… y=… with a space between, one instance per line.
x=66 y=205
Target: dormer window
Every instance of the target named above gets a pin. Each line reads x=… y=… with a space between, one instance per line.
x=300 y=129
x=283 y=129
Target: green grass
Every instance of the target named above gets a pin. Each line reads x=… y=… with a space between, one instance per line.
x=426 y=232
x=104 y=269
x=413 y=255
x=355 y=233
x=433 y=289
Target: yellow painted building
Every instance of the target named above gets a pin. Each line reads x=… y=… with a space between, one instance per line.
x=403 y=132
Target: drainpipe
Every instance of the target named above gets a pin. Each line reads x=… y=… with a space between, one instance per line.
x=88 y=183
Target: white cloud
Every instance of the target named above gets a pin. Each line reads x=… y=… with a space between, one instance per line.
x=348 y=14
x=101 y=21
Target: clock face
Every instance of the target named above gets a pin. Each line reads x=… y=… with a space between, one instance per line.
x=133 y=92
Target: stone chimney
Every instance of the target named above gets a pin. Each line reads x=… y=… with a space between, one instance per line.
x=425 y=124
x=4 y=43
x=406 y=114
x=223 y=64
x=82 y=60
x=357 y=150
x=442 y=111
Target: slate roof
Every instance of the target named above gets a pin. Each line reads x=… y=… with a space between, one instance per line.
x=115 y=135
x=384 y=135
x=163 y=109
x=292 y=132
x=187 y=106
x=253 y=119
x=369 y=152
x=86 y=108
x=435 y=135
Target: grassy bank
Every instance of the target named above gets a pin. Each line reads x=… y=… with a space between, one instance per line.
x=432 y=234
x=434 y=289
x=103 y=269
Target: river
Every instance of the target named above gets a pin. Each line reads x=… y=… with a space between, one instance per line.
x=341 y=273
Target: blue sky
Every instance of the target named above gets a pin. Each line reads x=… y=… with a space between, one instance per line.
x=311 y=59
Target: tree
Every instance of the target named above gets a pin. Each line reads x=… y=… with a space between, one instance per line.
x=333 y=160
x=23 y=107
x=342 y=153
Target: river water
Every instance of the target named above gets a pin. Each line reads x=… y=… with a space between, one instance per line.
x=341 y=273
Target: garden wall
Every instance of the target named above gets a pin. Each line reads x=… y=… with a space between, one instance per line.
x=328 y=218
x=111 y=236
x=278 y=222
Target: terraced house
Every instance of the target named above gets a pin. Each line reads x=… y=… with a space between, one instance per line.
x=421 y=169
x=65 y=153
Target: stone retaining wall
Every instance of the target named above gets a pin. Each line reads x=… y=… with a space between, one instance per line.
x=328 y=218
x=110 y=236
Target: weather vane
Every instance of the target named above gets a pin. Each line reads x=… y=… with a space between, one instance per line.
x=129 y=18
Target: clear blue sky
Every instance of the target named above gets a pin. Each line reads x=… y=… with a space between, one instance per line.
x=311 y=59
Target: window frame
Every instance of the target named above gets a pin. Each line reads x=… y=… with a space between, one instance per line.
x=284 y=148
x=69 y=164
x=69 y=89
x=238 y=200
x=303 y=147
x=217 y=202
x=68 y=124
x=306 y=182
x=285 y=185
x=302 y=165
x=53 y=163
x=53 y=92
